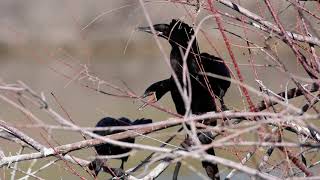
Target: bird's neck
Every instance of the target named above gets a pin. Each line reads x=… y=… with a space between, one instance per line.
x=178 y=52
x=182 y=48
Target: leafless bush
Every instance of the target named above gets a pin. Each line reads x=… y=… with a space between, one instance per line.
x=271 y=137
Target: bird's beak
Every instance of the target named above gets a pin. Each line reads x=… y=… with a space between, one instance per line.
x=145 y=29
x=150 y=99
x=160 y=29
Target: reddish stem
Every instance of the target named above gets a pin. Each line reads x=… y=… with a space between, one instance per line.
x=236 y=66
x=296 y=161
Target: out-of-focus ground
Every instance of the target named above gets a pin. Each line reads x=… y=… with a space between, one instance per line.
x=43 y=40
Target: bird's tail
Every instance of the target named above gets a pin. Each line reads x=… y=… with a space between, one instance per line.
x=142 y=121
x=96 y=166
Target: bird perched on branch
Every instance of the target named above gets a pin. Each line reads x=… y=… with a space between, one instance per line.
x=204 y=88
x=110 y=149
x=200 y=66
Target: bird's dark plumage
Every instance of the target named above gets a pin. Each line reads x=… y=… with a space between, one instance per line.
x=179 y=35
x=110 y=149
x=203 y=87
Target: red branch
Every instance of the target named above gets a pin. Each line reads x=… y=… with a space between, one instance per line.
x=236 y=66
x=296 y=161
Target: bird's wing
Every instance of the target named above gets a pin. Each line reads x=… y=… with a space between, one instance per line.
x=216 y=66
x=142 y=121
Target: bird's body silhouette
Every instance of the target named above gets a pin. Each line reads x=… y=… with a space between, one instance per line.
x=110 y=149
x=203 y=87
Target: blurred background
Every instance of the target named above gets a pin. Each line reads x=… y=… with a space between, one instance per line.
x=46 y=44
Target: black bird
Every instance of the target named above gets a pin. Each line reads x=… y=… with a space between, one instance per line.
x=110 y=149
x=203 y=87
x=179 y=35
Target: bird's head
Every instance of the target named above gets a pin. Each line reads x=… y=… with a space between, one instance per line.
x=177 y=32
